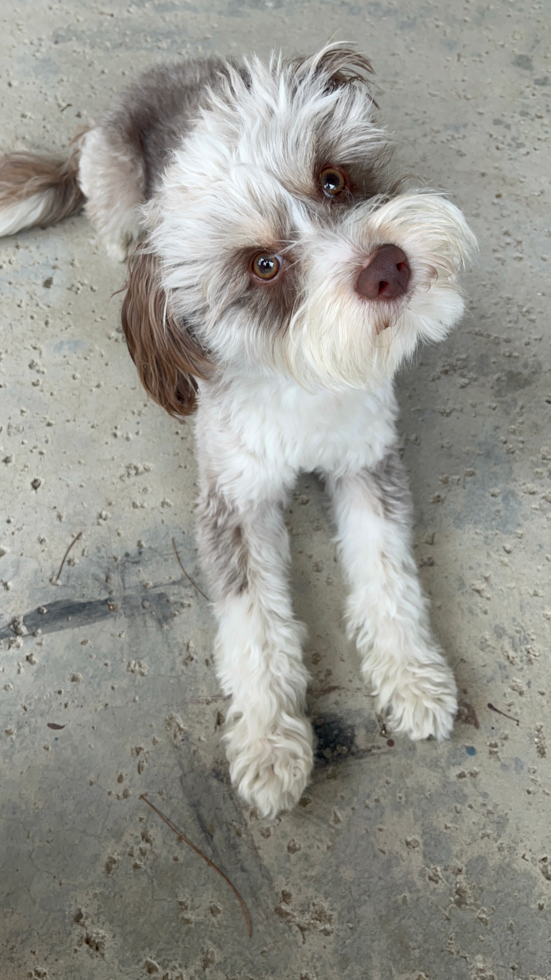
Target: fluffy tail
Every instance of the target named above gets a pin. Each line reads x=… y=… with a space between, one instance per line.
x=38 y=190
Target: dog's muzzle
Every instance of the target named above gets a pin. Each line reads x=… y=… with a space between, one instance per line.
x=386 y=276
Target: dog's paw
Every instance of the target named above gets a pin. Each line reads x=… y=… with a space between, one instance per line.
x=270 y=767
x=419 y=701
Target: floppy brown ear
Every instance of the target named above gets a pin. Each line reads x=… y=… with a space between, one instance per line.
x=168 y=360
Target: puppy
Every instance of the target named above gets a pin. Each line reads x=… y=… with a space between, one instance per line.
x=281 y=277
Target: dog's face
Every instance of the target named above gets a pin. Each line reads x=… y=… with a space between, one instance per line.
x=281 y=243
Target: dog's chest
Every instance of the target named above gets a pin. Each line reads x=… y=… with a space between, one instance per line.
x=262 y=433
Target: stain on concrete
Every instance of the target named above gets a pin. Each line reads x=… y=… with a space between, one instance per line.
x=67 y=615
x=335 y=739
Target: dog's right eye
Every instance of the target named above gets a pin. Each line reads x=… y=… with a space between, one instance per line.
x=266 y=267
x=333 y=181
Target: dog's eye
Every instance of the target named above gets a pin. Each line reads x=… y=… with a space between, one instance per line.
x=333 y=182
x=266 y=267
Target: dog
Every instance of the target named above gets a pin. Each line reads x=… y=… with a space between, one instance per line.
x=279 y=275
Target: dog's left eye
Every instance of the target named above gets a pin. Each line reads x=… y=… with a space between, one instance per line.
x=266 y=267
x=333 y=181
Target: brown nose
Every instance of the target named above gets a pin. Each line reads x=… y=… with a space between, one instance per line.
x=386 y=276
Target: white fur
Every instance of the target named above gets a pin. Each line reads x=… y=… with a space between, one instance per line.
x=336 y=338
x=301 y=385
x=24 y=214
x=316 y=396
x=111 y=178
x=276 y=430
x=387 y=614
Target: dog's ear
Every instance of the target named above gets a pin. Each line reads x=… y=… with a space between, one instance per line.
x=340 y=65
x=168 y=360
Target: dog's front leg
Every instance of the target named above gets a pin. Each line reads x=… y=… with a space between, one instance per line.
x=258 y=650
x=387 y=611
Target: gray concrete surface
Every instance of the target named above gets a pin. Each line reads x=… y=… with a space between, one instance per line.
x=414 y=862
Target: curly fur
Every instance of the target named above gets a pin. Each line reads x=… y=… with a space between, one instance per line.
x=211 y=163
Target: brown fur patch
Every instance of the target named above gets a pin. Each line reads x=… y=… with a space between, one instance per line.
x=167 y=359
x=23 y=175
x=223 y=544
x=388 y=482
x=342 y=65
x=272 y=304
x=157 y=110
x=368 y=177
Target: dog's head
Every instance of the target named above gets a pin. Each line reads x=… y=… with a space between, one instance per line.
x=281 y=244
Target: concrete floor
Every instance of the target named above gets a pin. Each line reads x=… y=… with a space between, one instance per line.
x=414 y=862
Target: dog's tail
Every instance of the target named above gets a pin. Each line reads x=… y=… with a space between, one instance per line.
x=38 y=190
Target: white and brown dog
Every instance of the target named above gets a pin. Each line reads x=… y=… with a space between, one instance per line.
x=281 y=277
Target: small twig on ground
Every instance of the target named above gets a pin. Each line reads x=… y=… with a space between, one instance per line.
x=211 y=864
x=492 y=707
x=74 y=541
x=189 y=578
